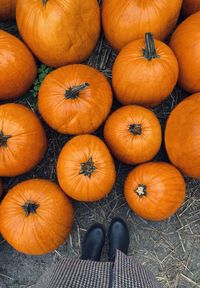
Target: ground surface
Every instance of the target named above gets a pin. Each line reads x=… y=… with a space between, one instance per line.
x=170 y=249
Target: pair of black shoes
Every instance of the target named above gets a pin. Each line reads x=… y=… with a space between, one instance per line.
x=93 y=242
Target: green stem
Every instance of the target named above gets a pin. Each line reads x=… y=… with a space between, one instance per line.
x=141 y=190
x=73 y=92
x=3 y=139
x=135 y=129
x=30 y=208
x=150 y=50
x=87 y=168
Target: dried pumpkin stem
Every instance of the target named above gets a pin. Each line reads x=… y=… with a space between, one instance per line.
x=135 y=129
x=141 y=190
x=73 y=92
x=30 y=208
x=87 y=168
x=150 y=51
x=44 y=2
x=3 y=139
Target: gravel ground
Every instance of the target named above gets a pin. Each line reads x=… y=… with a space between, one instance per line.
x=170 y=249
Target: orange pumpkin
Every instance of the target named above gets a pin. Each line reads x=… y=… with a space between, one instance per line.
x=133 y=134
x=182 y=138
x=7 y=10
x=36 y=217
x=75 y=99
x=125 y=21
x=185 y=43
x=59 y=32
x=17 y=67
x=85 y=168
x=190 y=7
x=22 y=140
x=145 y=72
x=155 y=191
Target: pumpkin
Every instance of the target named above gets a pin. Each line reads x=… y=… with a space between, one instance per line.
x=22 y=140
x=182 y=138
x=145 y=72
x=125 y=21
x=1 y=187
x=133 y=134
x=17 y=67
x=85 y=169
x=59 y=32
x=7 y=10
x=190 y=7
x=155 y=191
x=36 y=217
x=75 y=99
x=185 y=43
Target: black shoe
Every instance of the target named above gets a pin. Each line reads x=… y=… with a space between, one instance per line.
x=118 y=235
x=93 y=242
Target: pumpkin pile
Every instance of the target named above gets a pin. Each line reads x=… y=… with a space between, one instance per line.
x=76 y=99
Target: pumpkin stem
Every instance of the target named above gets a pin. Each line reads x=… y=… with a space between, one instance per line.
x=135 y=129
x=73 y=92
x=150 y=51
x=44 y=2
x=30 y=207
x=141 y=190
x=3 y=139
x=87 y=168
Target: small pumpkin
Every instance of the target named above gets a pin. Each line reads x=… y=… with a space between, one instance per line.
x=145 y=72
x=85 y=169
x=22 y=140
x=17 y=67
x=185 y=43
x=155 y=191
x=75 y=99
x=7 y=10
x=125 y=21
x=133 y=134
x=190 y=7
x=36 y=217
x=182 y=138
x=59 y=32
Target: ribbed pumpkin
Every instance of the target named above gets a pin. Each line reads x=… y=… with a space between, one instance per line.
x=185 y=43
x=145 y=72
x=59 y=32
x=7 y=10
x=133 y=134
x=190 y=7
x=182 y=137
x=85 y=168
x=17 y=67
x=22 y=140
x=75 y=99
x=125 y=20
x=36 y=217
x=155 y=191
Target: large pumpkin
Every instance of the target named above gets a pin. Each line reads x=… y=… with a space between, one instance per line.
x=85 y=169
x=133 y=134
x=185 y=43
x=190 y=7
x=155 y=191
x=59 y=32
x=145 y=72
x=7 y=10
x=22 y=140
x=36 y=217
x=125 y=20
x=182 y=137
x=75 y=99
x=17 y=67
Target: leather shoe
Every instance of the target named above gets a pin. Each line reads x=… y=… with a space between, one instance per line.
x=118 y=235
x=93 y=243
